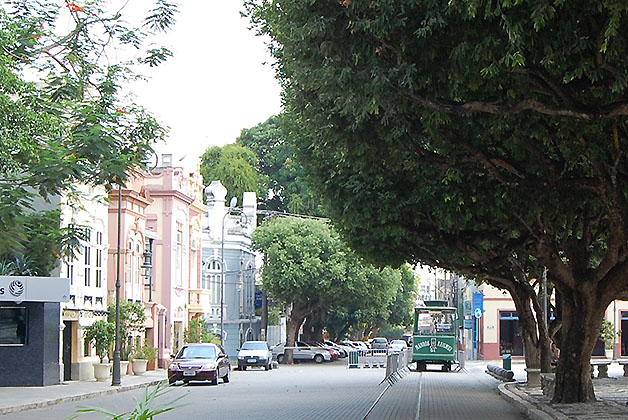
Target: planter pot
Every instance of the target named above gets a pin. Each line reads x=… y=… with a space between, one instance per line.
x=139 y=366
x=102 y=371
x=124 y=367
x=608 y=353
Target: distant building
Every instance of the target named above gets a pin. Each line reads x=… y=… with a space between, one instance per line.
x=227 y=240
x=174 y=216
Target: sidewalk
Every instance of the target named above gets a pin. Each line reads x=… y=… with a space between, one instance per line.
x=16 y=399
x=611 y=393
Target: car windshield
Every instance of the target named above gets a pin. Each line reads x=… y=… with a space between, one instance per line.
x=204 y=352
x=254 y=346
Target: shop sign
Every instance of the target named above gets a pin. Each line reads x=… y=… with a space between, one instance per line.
x=34 y=289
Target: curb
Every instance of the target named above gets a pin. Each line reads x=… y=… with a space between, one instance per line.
x=532 y=411
x=70 y=398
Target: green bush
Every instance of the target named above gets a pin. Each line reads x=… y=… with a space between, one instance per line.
x=144 y=352
x=103 y=335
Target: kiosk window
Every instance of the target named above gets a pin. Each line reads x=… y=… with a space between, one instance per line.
x=12 y=325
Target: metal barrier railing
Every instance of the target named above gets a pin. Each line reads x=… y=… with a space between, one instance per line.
x=372 y=358
x=397 y=365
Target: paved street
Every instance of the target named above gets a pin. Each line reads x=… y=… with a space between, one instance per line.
x=328 y=391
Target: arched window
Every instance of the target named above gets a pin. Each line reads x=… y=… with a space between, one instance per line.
x=212 y=280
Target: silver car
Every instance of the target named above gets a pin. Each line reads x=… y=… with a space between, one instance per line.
x=379 y=343
x=255 y=353
x=316 y=354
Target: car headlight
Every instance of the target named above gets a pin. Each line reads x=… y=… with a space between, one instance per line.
x=209 y=366
x=241 y=357
x=174 y=366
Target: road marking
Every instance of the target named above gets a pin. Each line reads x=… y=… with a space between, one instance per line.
x=418 y=406
x=376 y=401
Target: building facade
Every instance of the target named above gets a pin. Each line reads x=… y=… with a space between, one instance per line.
x=88 y=275
x=229 y=267
x=175 y=217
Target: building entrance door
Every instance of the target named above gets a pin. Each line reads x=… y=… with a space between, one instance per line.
x=67 y=350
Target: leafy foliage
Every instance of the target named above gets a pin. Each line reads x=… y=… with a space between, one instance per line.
x=308 y=267
x=478 y=136
x=132 y=319
x=145 y=409
x=234 y=166
x=198 y=332
x=64 y=118
x=102 y=335
x=145 y=352
x=281 y=174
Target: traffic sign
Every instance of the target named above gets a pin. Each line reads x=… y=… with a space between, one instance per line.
x=477 y=313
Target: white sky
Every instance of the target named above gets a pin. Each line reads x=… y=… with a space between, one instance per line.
x=216 y=84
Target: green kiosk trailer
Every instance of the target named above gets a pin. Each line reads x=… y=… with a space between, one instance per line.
x=434 y=335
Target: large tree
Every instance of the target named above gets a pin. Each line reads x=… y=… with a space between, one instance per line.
x=308 y=268
x=234 y=166
x=281 y=173
x=480 y=132
x=63 y=119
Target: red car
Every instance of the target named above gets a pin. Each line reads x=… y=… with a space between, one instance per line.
x=199 y=362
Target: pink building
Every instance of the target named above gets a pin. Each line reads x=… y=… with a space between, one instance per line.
x=175 y=218
x=134 y=239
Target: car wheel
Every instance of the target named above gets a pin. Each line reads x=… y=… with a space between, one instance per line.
x=225 y=379
x=280 y=358
x=319 y=358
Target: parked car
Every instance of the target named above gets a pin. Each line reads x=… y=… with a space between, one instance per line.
x=379 y=343
x=335 y=353
x=360 y=345
x=344 y=350
x=397 y=346
x=255 y=353
x=301 y=352
x=199 y=362
x=348 y=344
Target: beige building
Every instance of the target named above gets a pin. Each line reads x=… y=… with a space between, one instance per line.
x=499 y=327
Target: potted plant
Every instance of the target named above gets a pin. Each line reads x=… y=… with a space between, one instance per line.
x=132 y=320
x=141 y=356
x=608 y=335
x=102 y=335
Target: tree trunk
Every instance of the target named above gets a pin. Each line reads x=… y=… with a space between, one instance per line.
x=581 y=320
x=532 y=325
x=294 y=323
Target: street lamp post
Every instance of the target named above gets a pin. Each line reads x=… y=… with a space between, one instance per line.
x=115 y=377
x=232 y=208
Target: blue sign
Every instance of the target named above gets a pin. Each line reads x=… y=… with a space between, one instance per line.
x=468 y=324
x=478 y=301
x=259 y=297
x=477 y=313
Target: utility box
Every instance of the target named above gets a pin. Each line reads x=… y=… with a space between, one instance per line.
x=507 y=361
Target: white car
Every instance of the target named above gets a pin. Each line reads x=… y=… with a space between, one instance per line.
x=255 y=353
x=397 y=346
x=317 y=354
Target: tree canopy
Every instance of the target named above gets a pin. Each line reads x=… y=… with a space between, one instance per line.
x=309 y=268
x=472 y=133
x=64 y=119
x=234 y=166
x=283 y=185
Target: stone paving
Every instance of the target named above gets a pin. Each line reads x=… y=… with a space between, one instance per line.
x=611 y=393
